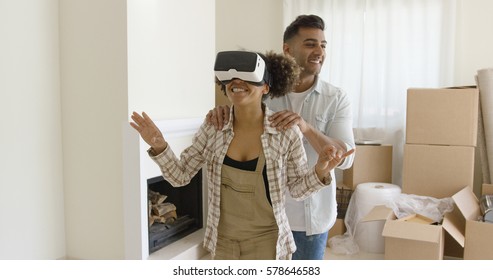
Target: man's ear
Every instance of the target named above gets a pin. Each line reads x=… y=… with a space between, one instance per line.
x=286 y=49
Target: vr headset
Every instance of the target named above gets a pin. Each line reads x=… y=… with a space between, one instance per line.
x=243 y=65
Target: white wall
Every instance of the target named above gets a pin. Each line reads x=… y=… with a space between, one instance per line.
x=474 y=40
x=31 y=173
x=171 y=57
x=252 y=25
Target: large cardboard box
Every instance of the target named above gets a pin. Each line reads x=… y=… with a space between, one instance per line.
x=447 y=116
x=372 y=163
x=463 y=225
x=437 y=171
x=422 y=241
x=409 y=238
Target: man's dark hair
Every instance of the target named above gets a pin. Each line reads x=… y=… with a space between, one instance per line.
x=311 y=21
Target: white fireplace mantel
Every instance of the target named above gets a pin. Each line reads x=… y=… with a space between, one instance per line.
x=137 y=168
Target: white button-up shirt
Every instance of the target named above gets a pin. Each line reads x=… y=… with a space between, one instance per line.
x=328 y=109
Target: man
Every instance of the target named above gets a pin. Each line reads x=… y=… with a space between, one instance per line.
x=323 y=113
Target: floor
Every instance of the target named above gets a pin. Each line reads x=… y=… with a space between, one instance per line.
x=331 y=256
x=358 y=256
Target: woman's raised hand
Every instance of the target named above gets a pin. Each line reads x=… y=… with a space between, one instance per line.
x=330 y=158
x=149 y=132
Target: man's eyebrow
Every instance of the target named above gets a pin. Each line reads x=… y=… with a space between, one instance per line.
x=314 y=41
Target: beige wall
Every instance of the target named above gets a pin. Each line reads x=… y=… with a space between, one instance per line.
x=259 y=30
x=93 y=68
x=31 y=173
x=474 y=40
x=473 y=51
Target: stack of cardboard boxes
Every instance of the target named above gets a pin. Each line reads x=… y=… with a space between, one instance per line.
x=441 y=133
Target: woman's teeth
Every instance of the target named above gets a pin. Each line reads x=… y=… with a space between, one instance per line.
x=237 y=90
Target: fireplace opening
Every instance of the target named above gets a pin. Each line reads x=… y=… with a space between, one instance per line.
x=181 y=211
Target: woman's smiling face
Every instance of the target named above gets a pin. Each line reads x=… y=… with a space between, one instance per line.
x=240 y=92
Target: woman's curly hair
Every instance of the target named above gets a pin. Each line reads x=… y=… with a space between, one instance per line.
x=284 y=74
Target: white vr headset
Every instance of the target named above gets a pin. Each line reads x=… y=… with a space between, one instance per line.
x=243 y=65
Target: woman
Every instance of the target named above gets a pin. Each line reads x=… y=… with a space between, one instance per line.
x=250 y=165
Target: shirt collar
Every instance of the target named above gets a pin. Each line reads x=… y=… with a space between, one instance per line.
x=267 y=127
x=318 y=86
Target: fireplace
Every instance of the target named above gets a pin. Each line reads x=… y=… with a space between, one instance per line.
x=189 y=217
x=139 y=171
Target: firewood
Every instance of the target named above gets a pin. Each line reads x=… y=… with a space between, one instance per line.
x=149 y=209
x=161 y=199
x=163 y=208
x=151 y=195
x=157 y=219
x=156 y=197
x=170 y=217
x=167 y=218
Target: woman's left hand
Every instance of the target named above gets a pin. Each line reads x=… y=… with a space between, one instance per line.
x=328 y=159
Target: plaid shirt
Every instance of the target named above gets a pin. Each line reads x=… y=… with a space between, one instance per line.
x=287 y=169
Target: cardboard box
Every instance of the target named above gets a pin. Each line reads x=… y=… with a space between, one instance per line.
x=447 y=116
x=463 y=225
x=437 y=171
x=423 y=241
x=372 y=163
x=452 y=250
x=406 y=239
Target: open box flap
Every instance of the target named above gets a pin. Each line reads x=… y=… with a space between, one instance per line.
x=466 y=208
x=412 y=231
x=417 y=218
x=379 y=213
x=455 y=224
x=468 y=203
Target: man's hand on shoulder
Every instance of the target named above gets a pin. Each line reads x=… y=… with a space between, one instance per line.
x=285 y=119
x=218 y=116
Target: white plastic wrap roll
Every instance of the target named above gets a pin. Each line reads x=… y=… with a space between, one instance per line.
x=368 y=235
x=485 y=85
